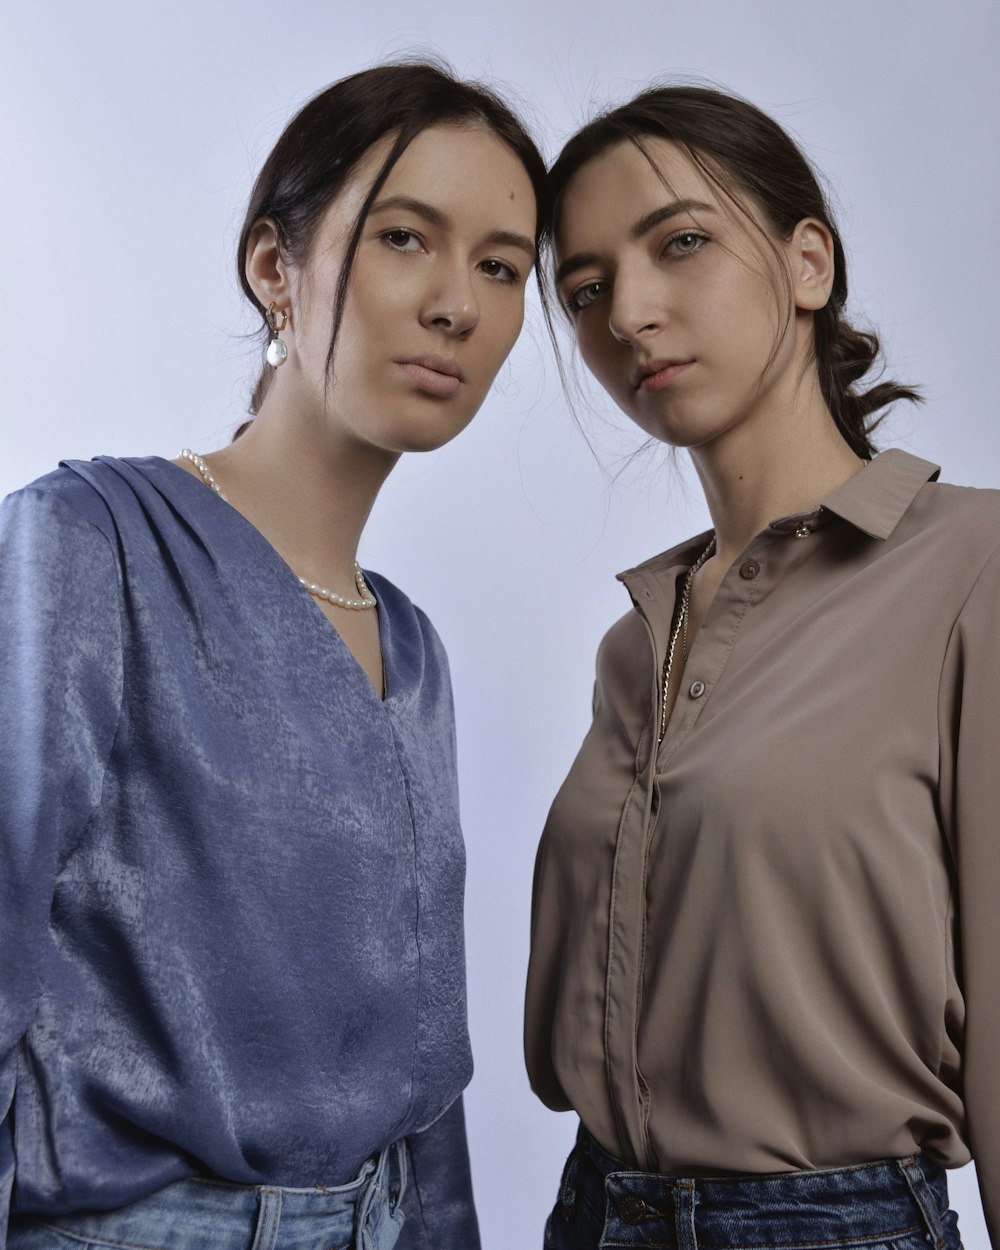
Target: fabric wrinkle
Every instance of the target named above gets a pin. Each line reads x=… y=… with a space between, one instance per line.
x=834 y=767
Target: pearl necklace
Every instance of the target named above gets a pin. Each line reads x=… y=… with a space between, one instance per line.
x=367 y=599
x=680 y=633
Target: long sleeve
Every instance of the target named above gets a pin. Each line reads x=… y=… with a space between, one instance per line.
x=438 y=1205
x=970 y=729
x=60 y=689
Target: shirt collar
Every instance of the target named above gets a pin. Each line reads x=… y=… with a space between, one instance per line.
x=874 y=501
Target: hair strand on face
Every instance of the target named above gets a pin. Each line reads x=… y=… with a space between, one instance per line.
x=752 y=162
x=323 y=143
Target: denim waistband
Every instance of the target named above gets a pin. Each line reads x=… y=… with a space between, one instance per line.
x=874 y=1201
x=204 y=1213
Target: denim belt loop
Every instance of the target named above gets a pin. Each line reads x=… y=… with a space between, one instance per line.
x=685 y=1201
x=268 y=1219
x=380 y=1185
x=913 y=1174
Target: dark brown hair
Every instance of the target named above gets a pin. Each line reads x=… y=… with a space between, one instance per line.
x=324 y=141
x=742 y=150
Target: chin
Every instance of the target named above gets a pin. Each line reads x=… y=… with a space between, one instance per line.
x=676 y=429
x=430 y=437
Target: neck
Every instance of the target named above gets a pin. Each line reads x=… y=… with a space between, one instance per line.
x=763 y=469
x=308 y=489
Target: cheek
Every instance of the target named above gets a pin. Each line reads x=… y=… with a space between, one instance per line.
x=514 y=324
x=600 y=352
x=500 y=328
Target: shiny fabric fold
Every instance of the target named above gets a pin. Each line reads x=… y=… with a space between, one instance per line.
x=232 y=877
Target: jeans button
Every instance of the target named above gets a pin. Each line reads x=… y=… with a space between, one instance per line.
x=632 y=1209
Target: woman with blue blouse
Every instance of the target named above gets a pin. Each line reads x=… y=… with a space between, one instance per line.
x=232 y=1000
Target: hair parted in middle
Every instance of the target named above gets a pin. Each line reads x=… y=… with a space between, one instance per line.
x=323 y=143
x=748 y=156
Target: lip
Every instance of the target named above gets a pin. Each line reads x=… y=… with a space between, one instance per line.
x=658 y=374
x=434 y=375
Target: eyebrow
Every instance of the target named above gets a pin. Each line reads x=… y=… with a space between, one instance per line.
x=642 y=227
x=436 y=217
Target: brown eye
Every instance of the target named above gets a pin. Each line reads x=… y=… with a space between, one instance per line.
x=499 y=269
x=402 y=240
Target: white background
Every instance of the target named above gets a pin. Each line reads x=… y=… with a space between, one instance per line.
x=131 y=132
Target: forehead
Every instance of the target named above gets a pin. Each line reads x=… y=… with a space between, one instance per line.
x=620 y=186
x=466 y=171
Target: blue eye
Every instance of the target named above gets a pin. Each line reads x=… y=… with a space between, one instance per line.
x=584 y=296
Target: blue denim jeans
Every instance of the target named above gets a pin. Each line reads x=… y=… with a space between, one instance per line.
x=202 y=1214
x=603 y=1204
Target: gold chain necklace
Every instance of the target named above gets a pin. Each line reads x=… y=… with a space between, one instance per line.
x=367 y=599
x=679 y=633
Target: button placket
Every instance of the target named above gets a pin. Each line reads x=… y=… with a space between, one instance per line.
x=713 y=644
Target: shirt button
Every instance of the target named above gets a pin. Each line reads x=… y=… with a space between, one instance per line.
x=749 y=570
x=697 y=689
x=632 y=1209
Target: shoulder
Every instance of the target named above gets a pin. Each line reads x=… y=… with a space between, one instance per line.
x=101 y=492
x=60 y=573
x=60 y=511
x=974 y=506
x=960 y=523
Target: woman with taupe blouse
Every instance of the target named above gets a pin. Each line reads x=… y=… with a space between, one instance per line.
x=765 y=923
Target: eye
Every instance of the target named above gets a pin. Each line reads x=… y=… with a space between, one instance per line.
x=584 y=296
x=500 y=270
x=402 y=240
x=686 y=243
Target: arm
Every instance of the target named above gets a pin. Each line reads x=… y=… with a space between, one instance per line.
x=970 y=729
x=438 y=1205
x=60 y=687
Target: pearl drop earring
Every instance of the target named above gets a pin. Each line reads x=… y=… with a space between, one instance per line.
x=277 y=352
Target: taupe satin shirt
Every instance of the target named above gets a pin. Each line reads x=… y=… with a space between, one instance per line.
x=773 y=943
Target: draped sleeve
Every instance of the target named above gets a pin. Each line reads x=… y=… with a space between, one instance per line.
x=439 y=1207
x=60 y=697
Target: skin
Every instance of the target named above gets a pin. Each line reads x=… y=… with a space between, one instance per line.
x=441 y=270
x=656 y=266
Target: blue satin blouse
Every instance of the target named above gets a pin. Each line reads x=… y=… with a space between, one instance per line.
x=231 y=877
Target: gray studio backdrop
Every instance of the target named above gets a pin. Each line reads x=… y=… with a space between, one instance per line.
x=130 y=134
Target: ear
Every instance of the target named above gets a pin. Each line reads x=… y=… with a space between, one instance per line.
x=811 y=254
x=266 y=268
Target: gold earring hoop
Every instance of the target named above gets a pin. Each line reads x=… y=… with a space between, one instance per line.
x=277 y=352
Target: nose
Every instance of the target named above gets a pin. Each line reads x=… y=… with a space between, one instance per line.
x=451 y=305
x=636 y=309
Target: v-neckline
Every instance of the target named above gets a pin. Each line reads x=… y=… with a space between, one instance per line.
x=286 y=570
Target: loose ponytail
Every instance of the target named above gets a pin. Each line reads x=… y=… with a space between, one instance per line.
x=845 y=355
